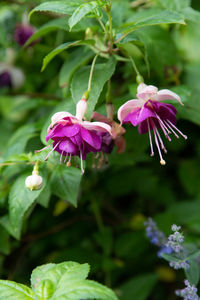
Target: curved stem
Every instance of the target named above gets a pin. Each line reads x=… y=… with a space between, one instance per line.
x=91 y=73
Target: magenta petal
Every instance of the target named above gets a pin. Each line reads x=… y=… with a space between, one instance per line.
x=165 y=111
x=91 y=138
x=139 y=115
x=67 y=146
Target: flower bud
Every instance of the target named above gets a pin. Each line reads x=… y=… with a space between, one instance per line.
x=34 y=182
x=139 y=79
x=81 y=108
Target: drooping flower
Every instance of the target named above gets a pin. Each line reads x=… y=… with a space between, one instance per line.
x=149 y=113
x=73 y=137
x=22 y=33
x=10 y=76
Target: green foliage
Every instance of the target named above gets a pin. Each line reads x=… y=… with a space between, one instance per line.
x=85 y=48
x=62 y=281
x=102 y=73
x=65 y=183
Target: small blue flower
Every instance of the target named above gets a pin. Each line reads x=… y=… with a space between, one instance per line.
x=189 y=292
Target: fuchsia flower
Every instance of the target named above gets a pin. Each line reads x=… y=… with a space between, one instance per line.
x=71 y=136
x=149 y=113
x=22 y=33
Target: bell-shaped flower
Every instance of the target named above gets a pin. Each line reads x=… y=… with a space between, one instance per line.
x=149 y=113
x=22 y=33
x=11 y=76
x=72 y=136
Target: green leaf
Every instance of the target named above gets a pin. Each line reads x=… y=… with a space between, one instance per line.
x=175 y=4
x=61 y=48
x=60 y=23
x=81 y=12
x=193 y=273
x=46 y=279
x=102 y=73
x=169 y=257
x=193 y=255
x=138 y=288
x=191 y=14
x=151 y=17
x=18 y=141
x=44 y=197
x=20 y=200
x=74 y=61
x=4 y=241
x=15 y=291
x=84 y=289
x=65 y=183
x=66 y=7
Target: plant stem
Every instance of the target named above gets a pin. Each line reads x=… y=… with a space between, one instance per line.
x=97 y=214
x=91 y=73
x=110 y=28
x=134 y=66
x=102 y=25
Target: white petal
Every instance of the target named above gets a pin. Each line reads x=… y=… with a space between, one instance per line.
x=59 y=116
x=146 y=92
x=167 y=95
x=17 y=77
x=126 y=108
x=98 y=126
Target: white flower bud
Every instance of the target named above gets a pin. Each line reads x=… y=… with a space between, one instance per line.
x=34 y=182
x=81 y=108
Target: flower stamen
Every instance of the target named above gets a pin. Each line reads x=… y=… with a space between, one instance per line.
x=150 y=138
x=47 y=157
x=183 y=135
x=162 y=161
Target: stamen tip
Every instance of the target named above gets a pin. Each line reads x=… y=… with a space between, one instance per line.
x=68 y=164
x=163 y=162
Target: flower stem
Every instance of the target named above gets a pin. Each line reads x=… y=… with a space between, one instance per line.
x=110 y=27
x=101 y=23
x=139 y=77
x=97 y=214
x=91 y=74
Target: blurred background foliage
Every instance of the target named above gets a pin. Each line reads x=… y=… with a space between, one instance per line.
x=107 y=228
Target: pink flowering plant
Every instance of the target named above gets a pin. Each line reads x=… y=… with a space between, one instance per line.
x=90 y=91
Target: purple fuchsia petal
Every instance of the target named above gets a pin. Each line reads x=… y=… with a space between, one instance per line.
x=165 y=111
x=23 y=33
x=63 y=131
x=68 y=147
x=139 y=115
x=5 y=79
x=91 y=138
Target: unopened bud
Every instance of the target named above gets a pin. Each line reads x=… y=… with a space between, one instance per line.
x=35 y=181
x=139 y=79
x=81 y=108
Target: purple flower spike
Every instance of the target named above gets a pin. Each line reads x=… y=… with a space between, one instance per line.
x=73 y=137
x=23 y=33
x=150 y=114
x=5 y=79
